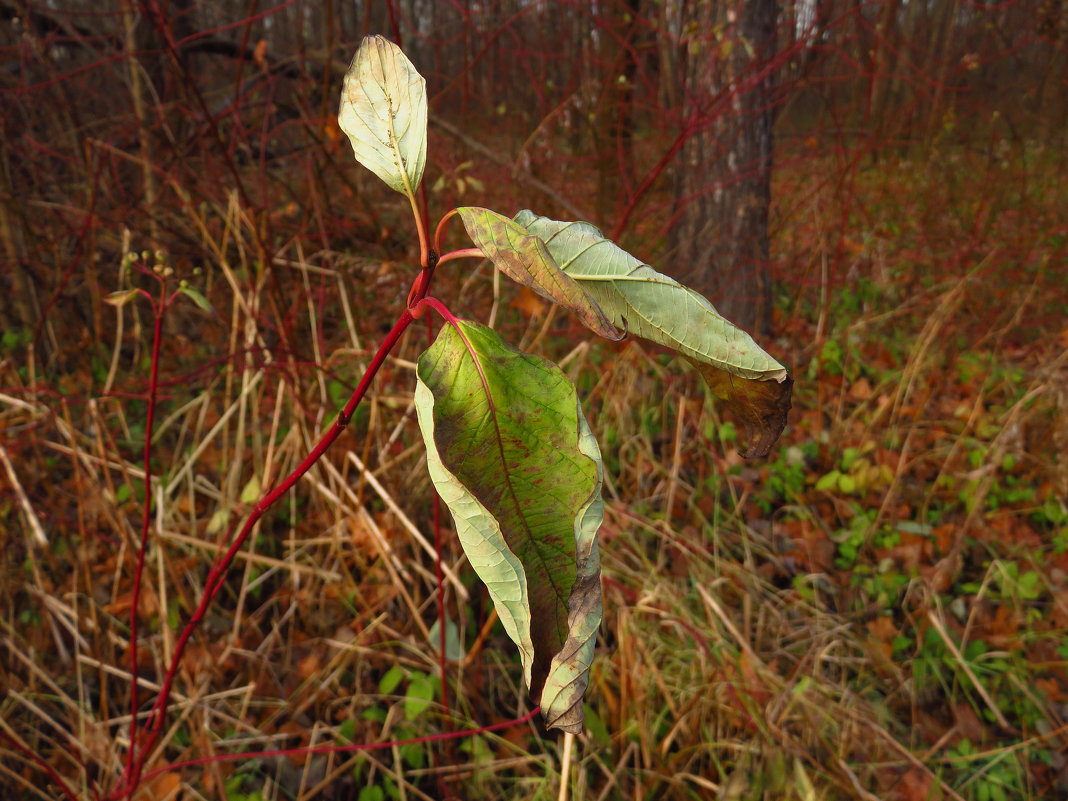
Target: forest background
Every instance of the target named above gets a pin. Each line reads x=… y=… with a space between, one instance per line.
x=876 y=610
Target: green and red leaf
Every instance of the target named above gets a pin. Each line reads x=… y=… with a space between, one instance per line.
x=753 y=386
x=524 y=258
x=513 y=458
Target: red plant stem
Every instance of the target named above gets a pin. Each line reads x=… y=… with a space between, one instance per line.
x=343 y=749
x=465 y=253
x=439 y=232
x=218 y=570
x=420 y=228
x=146 y=519
x=424 y=208
x=43 y=765
x=443 y=310
x=394 y=25
x=421 y=284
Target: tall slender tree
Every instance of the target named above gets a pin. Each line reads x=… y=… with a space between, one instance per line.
x=723 y=175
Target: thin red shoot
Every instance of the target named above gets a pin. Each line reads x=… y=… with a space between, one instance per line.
x=43 y=765
x=344 y=749
x=439 y=232
x=158 y=310
x=447 y=316
x=219 y=569
x=417 y=215
x=464 y=253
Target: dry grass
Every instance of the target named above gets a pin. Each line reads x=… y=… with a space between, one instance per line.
x=740 y=658
x=878 y=610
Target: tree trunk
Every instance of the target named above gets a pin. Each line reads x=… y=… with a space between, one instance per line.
x=723 y=177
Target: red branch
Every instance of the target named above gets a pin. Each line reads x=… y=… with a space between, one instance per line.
x=221 y=566
x=146 y=519
x=344 y=749
x=43 y=765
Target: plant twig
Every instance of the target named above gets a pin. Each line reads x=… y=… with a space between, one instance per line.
x=159 y=309
x=42 y=764
x=221 y=566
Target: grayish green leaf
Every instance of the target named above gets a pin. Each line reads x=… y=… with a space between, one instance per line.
x=754 y=387
x=121 y=297
x=524 y=258
x=569 y=673
x=196 y=297
x=512 y=457
x=454 y=649
x=383 y=112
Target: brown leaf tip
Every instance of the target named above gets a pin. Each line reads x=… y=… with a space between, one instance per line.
x=765 y=421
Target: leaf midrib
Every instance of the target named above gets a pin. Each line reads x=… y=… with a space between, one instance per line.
x=512 y=493
x=679 y=345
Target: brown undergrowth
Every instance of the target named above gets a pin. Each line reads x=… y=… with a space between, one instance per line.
x=878 y=610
